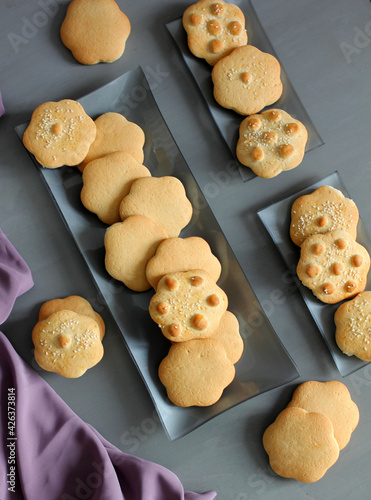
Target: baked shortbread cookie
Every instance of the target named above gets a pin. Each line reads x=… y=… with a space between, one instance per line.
x=271 y=142
x=301 y=445
x=95 y=31
x=247 y=80
x=196 y=372
x=333 y=265
x=214 y=29
x=67 y=343
x=106 y=181
x=59 y=133
x=353 y=326
x=188 y=305
x=323 y=210
x=228 y=333
x=115 y=133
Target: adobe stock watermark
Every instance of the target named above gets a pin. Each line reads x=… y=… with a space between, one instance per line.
x=361 y=40
x=133 y=437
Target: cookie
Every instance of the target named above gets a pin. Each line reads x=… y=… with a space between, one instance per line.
x=161 y=199
x=271 y=142
x=228 y=333
x=59 y=133
x=196 y=372
x=128 y=247
x=182 y=254
x=75 y=304
x=301 y=445
x=115 y=133
x=188 y=305
x=333 y=400
x=323 y=210
x=214 y=29
x=67 y=343
x=247 y=80
x=353 y=326
x=333 y=265
x=95 y=31
x=106 y=181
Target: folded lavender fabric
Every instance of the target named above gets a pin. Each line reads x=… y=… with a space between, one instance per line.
x=2 y=109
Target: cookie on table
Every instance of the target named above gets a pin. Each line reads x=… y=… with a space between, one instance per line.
x=333 y=265
x=353 y=326
x=188 y=305
x=106 y=181
x=228 y=333
x=115 y=133
x=128 y=247
x=332 y=399
x=247 y=80
x=95 y=31
x=161 y=199
x=59 y=133
x=323 y=210
x=214 y=29
x=301 y=445
x=196 y=372
x=67 y=343
x=182 y=254
x=271 y=142
x=73 y=303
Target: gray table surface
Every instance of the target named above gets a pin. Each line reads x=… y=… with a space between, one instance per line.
x=325 y=48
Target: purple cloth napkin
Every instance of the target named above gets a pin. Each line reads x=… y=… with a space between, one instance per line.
x=2 y=109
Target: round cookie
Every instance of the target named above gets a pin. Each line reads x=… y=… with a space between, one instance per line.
x=95 y=31
x=353 y=326
x=59 y=133
x=115 y=133
x=333 y=265
x=214 y=29
x=129 y=245
x=323 y=210
x=188 y=305
x=247 y=80
x=301 y=445
x=271 y=142
x=333 y=400
x=161 y=199
x=182 y=254
x=67 y=343
x=106 y=181
x=228 y=333
x=195 y=373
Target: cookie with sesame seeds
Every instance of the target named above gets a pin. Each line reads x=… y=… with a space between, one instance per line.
x=333 y=265
x=247 y=80
x=214 y=29
x=353 y=326
x=59 y=133
x=323 y=210
x=67 y=343
x=188 y=305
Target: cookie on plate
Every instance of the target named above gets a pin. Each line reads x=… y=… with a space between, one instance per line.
x=59 y=133
x=271 y=142
x=228 y=333
x=353 y=326
x=67 y=343
x=214 y=29
x=188 y=305
x=333 y=265
x=106 y=181
x=196 y=372
x=95 y=31
x=247 y=80
x=323 y=210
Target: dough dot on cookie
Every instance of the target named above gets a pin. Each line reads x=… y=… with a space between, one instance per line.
x=196 y=281
x=57 y=128
x=337 y=268
x=287 y=150
x=246 y=77
x=174 y=330
x=196 y=19
x=254 y=123
x=270 y=137
x=257 y=153
x=341 y=243
x=213 y=300
x=235 y=28
x=357 y=260
x=217 y=9
x=318 y=249
x=214 y=27
x=171 y=283
x=328 y=288
x=274 y=115
x=292 y=128
x=162 y=308
x=312 y=270
x=64 y=340
x=199 y=322
x=350 y=286
x=322 y=221
x=216 y=46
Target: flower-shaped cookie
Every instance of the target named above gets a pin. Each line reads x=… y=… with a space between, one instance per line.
x=271 y=142
x=59 y=133
x=214 y=29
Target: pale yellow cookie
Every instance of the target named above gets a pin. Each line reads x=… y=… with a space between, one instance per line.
x=228 y=333
x=95 y=31
x=271 y=142
x=106 y=181
x=247 y=80
x=214 y=29
x=59 y=133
